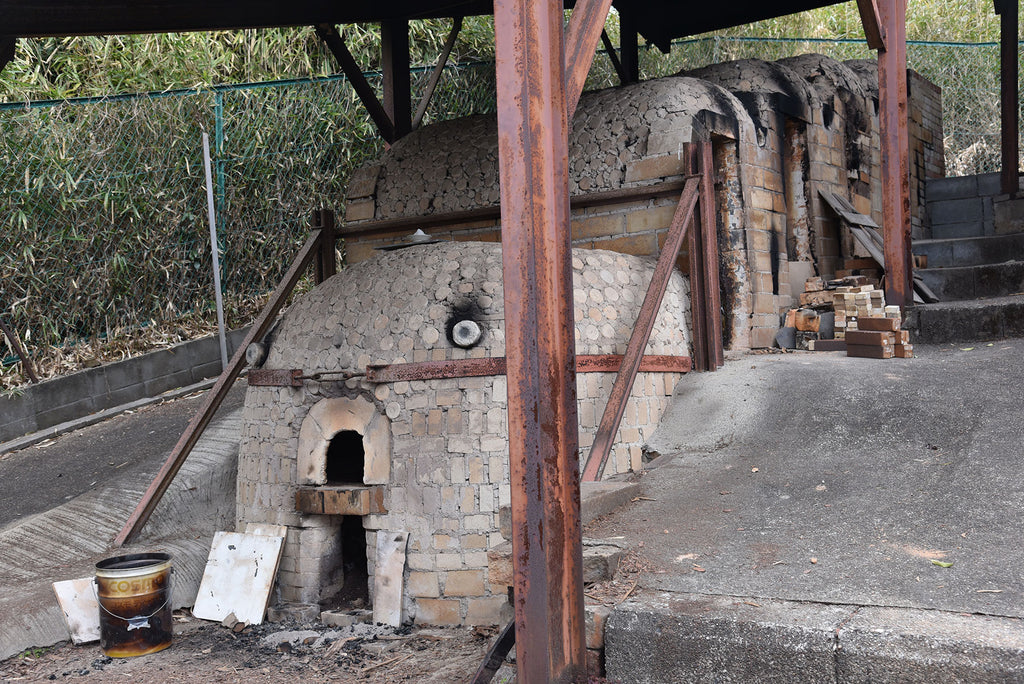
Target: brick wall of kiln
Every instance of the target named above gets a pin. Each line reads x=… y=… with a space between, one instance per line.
x=631 y=136
x=448 y=472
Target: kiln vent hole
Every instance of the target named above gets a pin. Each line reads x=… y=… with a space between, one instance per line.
x=345 y=458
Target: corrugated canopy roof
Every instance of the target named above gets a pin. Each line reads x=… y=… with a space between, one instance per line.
x=660 y=21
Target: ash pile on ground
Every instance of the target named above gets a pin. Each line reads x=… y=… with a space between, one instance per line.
x=203 y=651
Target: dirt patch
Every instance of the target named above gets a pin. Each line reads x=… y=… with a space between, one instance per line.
x=202 y=651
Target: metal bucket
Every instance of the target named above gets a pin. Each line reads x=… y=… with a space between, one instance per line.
x=134 y=593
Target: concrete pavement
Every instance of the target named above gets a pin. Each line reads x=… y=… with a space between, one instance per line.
x=793 y=534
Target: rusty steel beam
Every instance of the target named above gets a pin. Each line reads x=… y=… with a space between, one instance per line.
x=590 y=199
x=474 y=368
x=533 y=159
x=26 y=363
x=274 y=377
x=895 y=141
x=1008 y=96
x=435 y=76
x=215 y=397
x=327 y=259
x=623 y=385
x=436 y=370
x=496 y=655
x=586 y=24
x=629 y=50
x=654 y=363
x=336 y=44
x=613 y=56
x=698 y=296
x=709 y=252
x=394 y=47
x=874 y=32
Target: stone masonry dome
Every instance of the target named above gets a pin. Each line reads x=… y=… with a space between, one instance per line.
x=453 y=165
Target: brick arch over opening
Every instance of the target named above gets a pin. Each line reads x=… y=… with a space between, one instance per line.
x=330 y=416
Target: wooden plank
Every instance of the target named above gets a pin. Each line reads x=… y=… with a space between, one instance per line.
x=842 y=206
x=238 y=577
x=215 y=397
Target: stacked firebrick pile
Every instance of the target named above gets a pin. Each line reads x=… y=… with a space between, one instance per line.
x=847 y=314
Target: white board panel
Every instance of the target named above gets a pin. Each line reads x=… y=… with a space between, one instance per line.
x=388 y=575
x=77 y=598
x=238 y=577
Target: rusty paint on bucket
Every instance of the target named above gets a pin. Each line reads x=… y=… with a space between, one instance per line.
x=134 y=595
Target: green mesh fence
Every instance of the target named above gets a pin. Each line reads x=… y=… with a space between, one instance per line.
x=104 y=203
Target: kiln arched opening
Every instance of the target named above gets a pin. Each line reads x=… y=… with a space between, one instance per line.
x=345 y=458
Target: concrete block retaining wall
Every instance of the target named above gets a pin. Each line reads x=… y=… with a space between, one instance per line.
x=74 y=396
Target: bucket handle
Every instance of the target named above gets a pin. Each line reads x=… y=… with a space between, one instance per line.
x=139 y=621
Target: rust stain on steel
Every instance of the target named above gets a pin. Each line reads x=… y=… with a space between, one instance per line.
x=709 y=240
x=473 y=368
x=435 y=370
x=217 y=393
x=892 y=123
x=616 y=406
x=586 y=24
x=874 y=32
x=272 y=377
x=543 y=426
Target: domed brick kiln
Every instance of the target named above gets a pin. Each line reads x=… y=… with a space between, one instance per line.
x=352 y=465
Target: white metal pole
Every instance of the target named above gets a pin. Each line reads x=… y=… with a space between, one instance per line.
x=215 y=251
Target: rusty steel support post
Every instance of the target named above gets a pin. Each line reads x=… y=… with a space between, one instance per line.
x=629 y=50
x=539 y=332
x=623 y=385
x=892 y=120
x=327 y=260
x=394 y=45
x=586 y=24
x=705 y=164
x=1008 y=96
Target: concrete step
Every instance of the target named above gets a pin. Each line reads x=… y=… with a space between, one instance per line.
x=675 y=637
x=973 y=282
x=974 y=251
x=964 y=229
x=966 y=321
x=959 y=187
